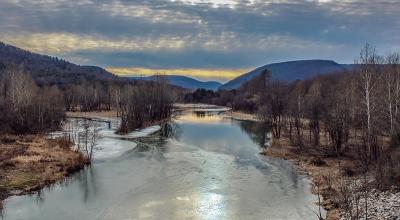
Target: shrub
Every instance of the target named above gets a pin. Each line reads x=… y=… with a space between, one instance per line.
x=7 y=164
x=387 y=172
x=395 y=140
x=316 y=161
x=348 y=171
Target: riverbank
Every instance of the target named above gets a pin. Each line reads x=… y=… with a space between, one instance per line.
x=240 y=116
x=316 y=168
x=185 y=106
x=331 y=177
x=339 y=180
x=95 y=114
x=30 y=162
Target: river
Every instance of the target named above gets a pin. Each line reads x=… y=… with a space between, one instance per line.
x=200 y=166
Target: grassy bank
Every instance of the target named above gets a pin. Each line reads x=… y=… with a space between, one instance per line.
x=30 y=162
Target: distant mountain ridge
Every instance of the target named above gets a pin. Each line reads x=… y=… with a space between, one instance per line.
x=46 y=69
x=289 y=71
x=52 y=70
x=184 y=82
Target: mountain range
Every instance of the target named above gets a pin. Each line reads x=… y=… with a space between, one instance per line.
x=289 y=71
x=52 y=70
x=185 y=82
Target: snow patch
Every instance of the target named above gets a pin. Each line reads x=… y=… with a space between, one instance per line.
x=111 y=148
x=109 y=144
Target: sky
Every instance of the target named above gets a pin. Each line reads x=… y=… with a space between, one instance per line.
x=205 y=39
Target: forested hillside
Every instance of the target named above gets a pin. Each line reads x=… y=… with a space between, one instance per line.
x=46 y=69
x=289 y=71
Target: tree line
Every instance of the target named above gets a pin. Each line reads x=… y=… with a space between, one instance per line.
x=29 y=106
x=144 y=104
x=353 y=112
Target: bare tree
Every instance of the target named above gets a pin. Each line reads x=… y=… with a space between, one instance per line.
x=368 y=62
x=391 y=85
x=90 y=136
x=296 y=112
x=315 y=109
x=145 y=103
x=27 y=107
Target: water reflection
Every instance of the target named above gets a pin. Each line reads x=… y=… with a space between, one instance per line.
x=200 y=166
x=200 y=118
x=200 y=114
x=257 y=132
x=170 y=130
x=87 y=183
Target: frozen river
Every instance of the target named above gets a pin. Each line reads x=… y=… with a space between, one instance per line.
x=201 y=166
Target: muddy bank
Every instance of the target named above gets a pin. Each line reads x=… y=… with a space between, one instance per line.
x=317 y=169
x=30 y=162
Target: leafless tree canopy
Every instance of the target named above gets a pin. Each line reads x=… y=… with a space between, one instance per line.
x=27 y=108
x=143 y=104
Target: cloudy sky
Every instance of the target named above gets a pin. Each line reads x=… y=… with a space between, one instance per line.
x=206 y=39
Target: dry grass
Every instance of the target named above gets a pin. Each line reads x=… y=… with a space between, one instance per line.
x=31 y=162
x=241 y=116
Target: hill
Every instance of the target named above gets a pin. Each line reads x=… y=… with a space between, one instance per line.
x=185 y=82
x=288 y=71
x=46 y=69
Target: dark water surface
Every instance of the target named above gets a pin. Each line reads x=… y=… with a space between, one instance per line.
x=202 y=166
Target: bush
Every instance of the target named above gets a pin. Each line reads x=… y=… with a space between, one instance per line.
x=348 y=171
x=387 y=172
x=7 y=139
x=395 y=140
x=7 y=164
x=316 y=161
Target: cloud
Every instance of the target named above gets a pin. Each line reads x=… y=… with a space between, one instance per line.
x=65 y=43
x=199 y=34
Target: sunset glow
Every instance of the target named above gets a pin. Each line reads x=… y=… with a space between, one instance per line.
x=205 y=39
x=203 y=74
